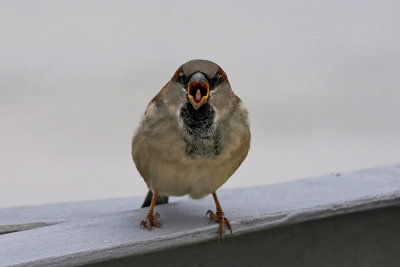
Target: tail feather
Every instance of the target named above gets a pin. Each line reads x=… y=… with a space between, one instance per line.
x=160 y=199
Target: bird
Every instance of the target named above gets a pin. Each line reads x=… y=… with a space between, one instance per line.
x=193 y=136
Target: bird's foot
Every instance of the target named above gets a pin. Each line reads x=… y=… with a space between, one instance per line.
x=151 y=220
x=220 y=218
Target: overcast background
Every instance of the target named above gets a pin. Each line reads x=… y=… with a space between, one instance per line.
x=321 y=81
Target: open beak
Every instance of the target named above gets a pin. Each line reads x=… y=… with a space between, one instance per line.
x=198 y=90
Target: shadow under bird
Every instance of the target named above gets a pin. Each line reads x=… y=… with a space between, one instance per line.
x=193 y=136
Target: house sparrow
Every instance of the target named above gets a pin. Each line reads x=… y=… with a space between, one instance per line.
x=192 y=138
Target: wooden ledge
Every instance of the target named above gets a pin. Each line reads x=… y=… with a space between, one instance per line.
x=101 y=231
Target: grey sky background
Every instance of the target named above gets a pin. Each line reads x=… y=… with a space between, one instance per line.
x=320 y=79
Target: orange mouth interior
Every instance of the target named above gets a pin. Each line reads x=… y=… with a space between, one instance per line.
x=198 y=90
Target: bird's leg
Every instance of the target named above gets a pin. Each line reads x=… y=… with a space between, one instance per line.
x=152 y=218
x=219 y=217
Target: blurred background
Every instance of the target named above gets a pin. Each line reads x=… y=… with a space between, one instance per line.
x=321 y=80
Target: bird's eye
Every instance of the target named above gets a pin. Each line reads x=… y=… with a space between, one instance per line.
x=182 y=77
x=215 y=80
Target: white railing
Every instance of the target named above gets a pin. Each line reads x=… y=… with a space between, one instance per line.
x=108 y=230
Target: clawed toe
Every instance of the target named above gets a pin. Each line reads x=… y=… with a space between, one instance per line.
x=151 y=220
x=211 y=216
x=220 y=218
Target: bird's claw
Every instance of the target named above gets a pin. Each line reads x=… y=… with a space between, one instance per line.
x=222 y=220
x=211 y=215
x=151 y=220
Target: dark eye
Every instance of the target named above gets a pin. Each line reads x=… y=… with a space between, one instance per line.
x=182 y=78
x=215 y=80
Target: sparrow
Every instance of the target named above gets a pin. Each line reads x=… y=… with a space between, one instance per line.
x=192 y=137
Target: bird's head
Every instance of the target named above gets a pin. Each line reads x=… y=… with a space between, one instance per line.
x=200 y=80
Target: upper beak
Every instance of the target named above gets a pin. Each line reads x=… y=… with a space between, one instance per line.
x=198 y=90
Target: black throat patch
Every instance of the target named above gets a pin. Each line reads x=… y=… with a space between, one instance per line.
x=200 y=135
